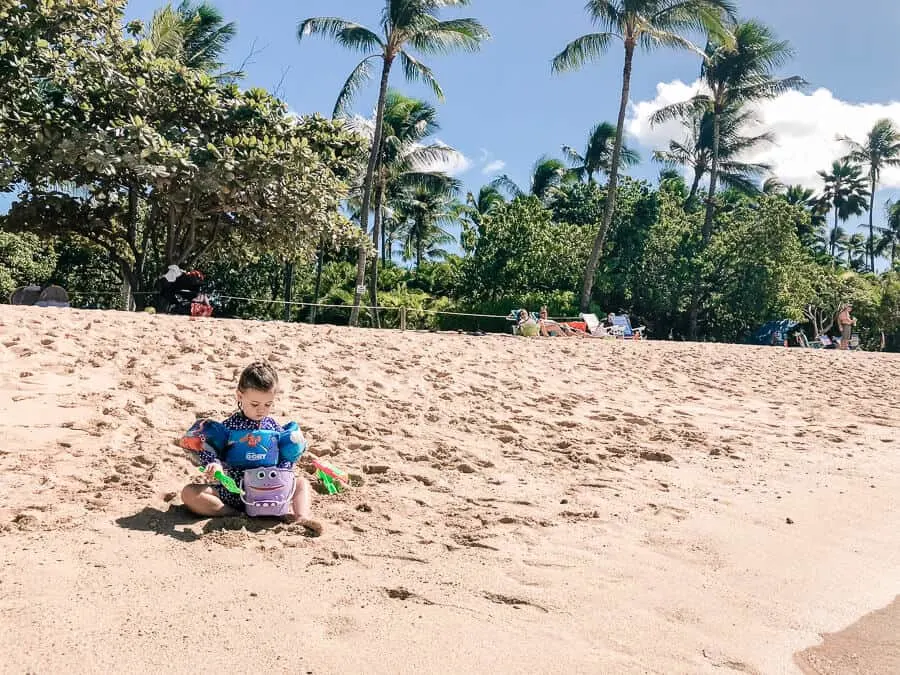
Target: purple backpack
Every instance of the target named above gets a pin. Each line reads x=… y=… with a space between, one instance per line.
x=268 y=491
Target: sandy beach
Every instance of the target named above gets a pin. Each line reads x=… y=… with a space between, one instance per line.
x=527 y=505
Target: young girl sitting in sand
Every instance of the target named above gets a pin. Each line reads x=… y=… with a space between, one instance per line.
x=255 y=395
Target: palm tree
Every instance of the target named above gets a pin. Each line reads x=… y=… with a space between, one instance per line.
x=597 y=155
x=889 y=242
x=405 y=25
x=425 y=215
x=880 y=149
x=855 y=248
x=547 y=174
x=474 y=210
x=735 y=72
x=195 y=35
x=696 y=150
x=809 y=230
x=405 y=161
x=648 y=24
x=845 y=193
x=488 y=199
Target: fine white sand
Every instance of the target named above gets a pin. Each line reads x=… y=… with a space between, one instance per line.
x=516 y=514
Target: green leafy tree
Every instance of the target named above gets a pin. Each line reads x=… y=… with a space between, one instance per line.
x=406 y=25
x=755 y=268
x=811 y=222
x=476 y=208
x=522 y=251
x=880 y=150
x=24 y=259
x=637 y=23
x=167 y=164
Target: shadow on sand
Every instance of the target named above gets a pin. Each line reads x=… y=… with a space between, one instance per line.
x=171 y=522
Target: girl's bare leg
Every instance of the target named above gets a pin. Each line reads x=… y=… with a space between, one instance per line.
x=203 y=500
x=301 y=505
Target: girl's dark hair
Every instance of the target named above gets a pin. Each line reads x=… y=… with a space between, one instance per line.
x=260 y=376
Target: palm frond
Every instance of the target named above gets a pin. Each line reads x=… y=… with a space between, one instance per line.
x=417 y=71
x=361 y=74
x=506 y=184
x=572 y=155
x=586 y=49
x=695 y=106
x=346 y=33
x=442 y=37
x=167 y=33
x=652 y=37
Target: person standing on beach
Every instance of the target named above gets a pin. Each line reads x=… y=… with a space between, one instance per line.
x=845 y=325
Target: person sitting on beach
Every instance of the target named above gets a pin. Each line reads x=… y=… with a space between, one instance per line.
x=551 y=328
x=256 y=390
x=526 y=325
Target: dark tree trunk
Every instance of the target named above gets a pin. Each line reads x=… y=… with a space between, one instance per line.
x=376 y=238
x=870 y=247
x=706 y=233
x=590 y=269
x=316 y=288
x=288 y=290
x=367 y=190
x=692 y=195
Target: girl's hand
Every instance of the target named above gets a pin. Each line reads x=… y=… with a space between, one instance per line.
x=211 y=471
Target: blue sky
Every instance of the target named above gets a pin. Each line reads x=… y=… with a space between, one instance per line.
x=504 y=106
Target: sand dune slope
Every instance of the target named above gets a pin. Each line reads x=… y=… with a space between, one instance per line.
x=528 y=506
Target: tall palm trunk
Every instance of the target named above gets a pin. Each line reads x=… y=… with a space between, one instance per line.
x=590 y=270
x=834 y=232
x=367 y=189
x=870 y=246
x=376 y=239
x=288 y=290
x=695 y=186
x=706 y=233
x=419 y=246
x=320 y=255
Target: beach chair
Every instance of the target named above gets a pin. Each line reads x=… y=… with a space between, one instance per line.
x=593 y=326
x=25 y=295
x=806 y=343
x=627 y=332
x=53 y=296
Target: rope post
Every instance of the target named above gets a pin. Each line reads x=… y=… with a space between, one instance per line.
x=403 y=318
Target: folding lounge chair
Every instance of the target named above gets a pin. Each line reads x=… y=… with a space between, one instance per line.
x=53 y=296
x=596 y=329
x=628 y=332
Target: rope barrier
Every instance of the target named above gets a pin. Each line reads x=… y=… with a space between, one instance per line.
x=293 y=303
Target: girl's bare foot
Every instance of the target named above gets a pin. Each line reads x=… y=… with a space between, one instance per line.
x=313 y=527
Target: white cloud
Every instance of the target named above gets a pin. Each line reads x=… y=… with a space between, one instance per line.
x=493 y=167
x=454 y=163
x=805 y=127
